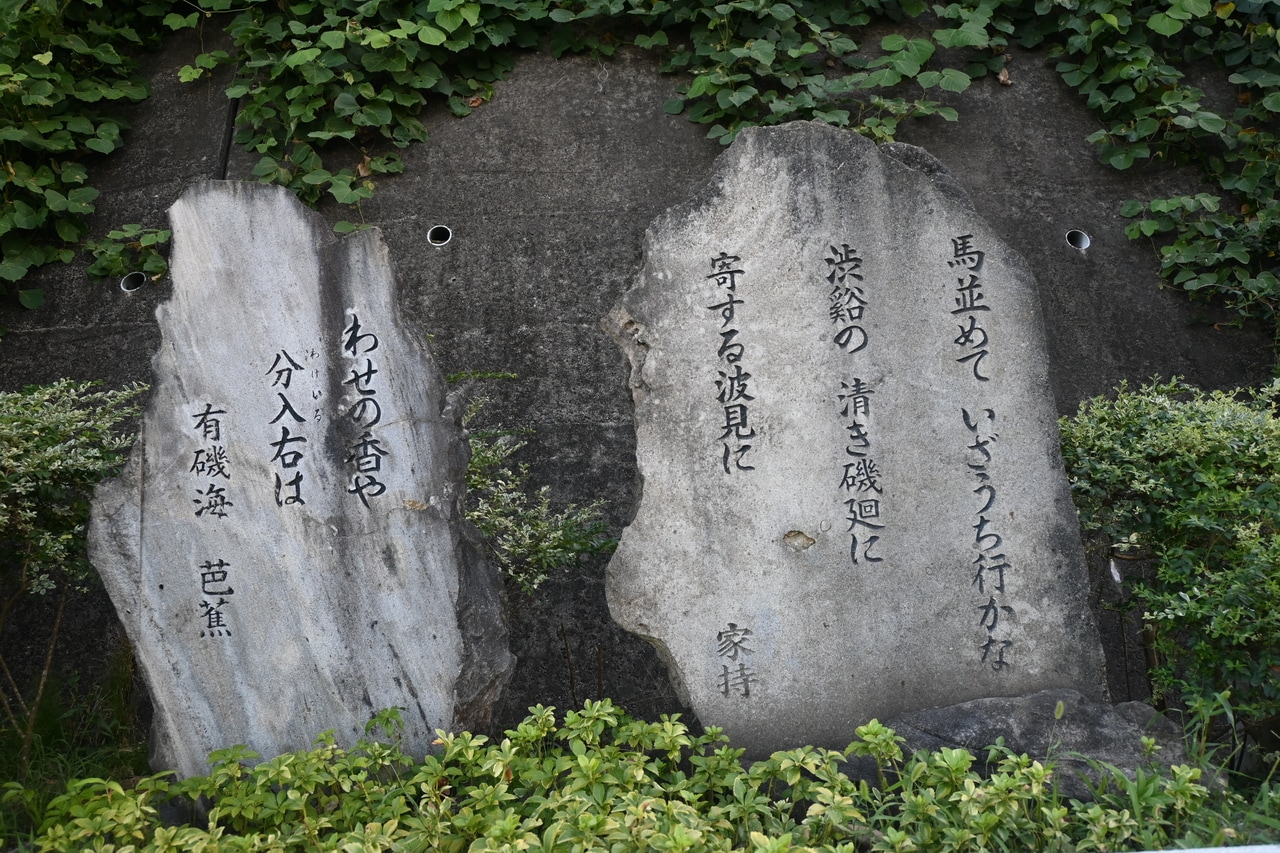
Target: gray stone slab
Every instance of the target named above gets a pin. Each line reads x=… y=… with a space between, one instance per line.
x=1061 y=726
x=286 y=546
x=853 y=503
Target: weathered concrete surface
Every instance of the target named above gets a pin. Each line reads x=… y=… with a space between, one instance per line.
x=549 y=188
x=286 y=545
x=1020 y=153
x=852 y=496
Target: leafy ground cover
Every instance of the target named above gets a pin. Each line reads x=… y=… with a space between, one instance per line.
x=1190 y=481
x=598 y=780
x=56 y=443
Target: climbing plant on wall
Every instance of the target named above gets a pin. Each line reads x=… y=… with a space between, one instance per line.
x=1129 y=59
x=330 y=89
x=63 y=67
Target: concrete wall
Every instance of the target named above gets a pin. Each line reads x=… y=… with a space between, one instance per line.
x=548 y=189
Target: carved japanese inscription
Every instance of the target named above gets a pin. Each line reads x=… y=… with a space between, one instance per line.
x=871 y=516
x=286 y=547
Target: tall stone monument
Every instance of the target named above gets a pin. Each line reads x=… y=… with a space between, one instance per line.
x=286 y=545
x=853 y=503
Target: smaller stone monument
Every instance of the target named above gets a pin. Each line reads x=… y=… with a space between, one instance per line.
x=286 y=546
x=853 y=503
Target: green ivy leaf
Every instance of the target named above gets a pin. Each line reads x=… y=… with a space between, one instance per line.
x=301 y=57
x=13 y=269
x=893 y=42
x=1120 y=159
x=31 y=299
x=450 y=19
x=954 y=80
x=345 y=104
x=1210 y=122
x=1163 y=24
x=80 y=199
x=658 y=39
x=69 y=230
x=430 y=35
x=174 y=21
x=55 y=200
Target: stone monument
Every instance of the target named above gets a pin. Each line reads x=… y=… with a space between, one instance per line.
x=286 y=545
x=853 y=503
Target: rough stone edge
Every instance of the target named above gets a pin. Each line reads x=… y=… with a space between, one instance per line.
x=629 y=334
x=117 y=506
x=1075 y=771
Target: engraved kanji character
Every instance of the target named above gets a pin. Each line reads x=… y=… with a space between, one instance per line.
x=863 y=475
x=970 y=296
x=733 y=386
x=994 y=563
x=722 y=270
x=737 y=680
x=367 y=453
x=288 y=458
x=735 y=422
x=210 y=427
x=284 y=375
x=864 y=511
x=211 y=462
x=212 y=500
x=842 y=312
x=287 y=409
x=732 y=641
x=846 y=303
x=856 y=397
x=844 y=263
x=215 y=623
x=965 y=254
x=214 y=574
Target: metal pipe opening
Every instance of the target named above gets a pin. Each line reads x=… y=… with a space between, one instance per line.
x=1078 y=240
x=133 y=281
x=439 y=235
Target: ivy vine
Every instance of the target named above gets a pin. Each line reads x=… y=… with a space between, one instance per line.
x=63 y=65
x=1129 y=59
x=330 y=90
